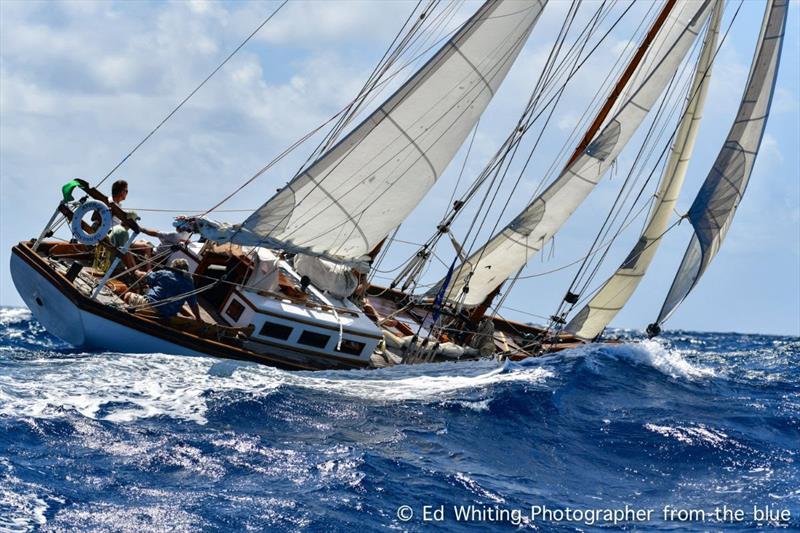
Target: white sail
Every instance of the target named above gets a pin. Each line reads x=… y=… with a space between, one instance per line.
x=617 y=290
x=715 y=205
x=510 y=249
x=355 y=194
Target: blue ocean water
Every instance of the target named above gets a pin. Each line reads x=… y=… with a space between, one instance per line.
x=118 y=442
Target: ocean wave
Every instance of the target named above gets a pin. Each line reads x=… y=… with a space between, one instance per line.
x=22 y=508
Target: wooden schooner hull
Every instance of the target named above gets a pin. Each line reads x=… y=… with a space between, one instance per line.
x=68 y=312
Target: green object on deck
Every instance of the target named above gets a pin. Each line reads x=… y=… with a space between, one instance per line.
x=67 y=189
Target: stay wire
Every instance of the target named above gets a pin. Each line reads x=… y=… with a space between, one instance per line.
x=166 y=118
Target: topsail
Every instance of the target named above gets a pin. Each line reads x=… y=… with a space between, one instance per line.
x=715 y=205
x=349 y=199
x=509 y=250
x=615 y=292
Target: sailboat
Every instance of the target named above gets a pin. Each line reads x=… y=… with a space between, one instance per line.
x=292 y=285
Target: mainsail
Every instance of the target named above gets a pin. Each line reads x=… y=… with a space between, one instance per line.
x=355 y=194
x=615 y=292
x=510 y=249
x=715 y=205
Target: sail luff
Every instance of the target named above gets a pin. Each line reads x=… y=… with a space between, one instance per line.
x=714 y=207
x=617 y=290
x=526 y=234
x=355 y=194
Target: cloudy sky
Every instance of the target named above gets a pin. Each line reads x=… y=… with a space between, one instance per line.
x=82 y=82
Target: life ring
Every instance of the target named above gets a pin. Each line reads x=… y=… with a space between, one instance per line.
x=80 y=233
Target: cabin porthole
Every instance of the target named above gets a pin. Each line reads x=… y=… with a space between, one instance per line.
x=39 y=302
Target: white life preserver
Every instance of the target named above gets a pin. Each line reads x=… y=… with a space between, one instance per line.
x=81 y=234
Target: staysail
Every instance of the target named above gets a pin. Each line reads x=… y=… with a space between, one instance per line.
x=715 y=205
x=355 y=194
x=510 y=249
x=617 y=290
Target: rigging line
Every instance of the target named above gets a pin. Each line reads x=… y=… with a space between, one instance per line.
x=664 y=151
x=594 y=291
x=640 y=172
x=552 y=109
x=384 y=252
x=487 y=172
x=312 y=132
x=463 y=166
x=511 y=139
x=605 y=226
x=511 y=148
x=509 y=155
x=143 y=210
x=367 y=202
x=530 y=155
x=388 y=59
x=602 y=245
x=528 y=313
x=591 y=109
x=192 y=93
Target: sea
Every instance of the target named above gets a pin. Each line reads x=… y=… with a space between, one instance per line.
x=690 y=432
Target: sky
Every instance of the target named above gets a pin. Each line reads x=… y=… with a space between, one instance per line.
x=82 y=82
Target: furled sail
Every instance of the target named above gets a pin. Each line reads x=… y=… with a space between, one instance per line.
x=617 y=290
x=510 y=249
x=715 y=205
x=348 y=200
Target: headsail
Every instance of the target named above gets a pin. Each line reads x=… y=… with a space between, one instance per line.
x=615 y=292
x=349 y=199
x=715 y=205
x=510 y=249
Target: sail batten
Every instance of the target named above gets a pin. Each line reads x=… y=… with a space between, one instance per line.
x=714 y=207
x=617 y=290
x=662 y=52
x=356 y=193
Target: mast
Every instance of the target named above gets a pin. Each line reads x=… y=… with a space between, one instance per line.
x=714 y=207
x=617 y=290
x=621 y=83
x=668 y=42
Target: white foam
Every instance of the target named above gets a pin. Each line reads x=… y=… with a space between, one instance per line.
x=14 y=315
x=21 y=508
x=127 y=387
x=421 y=382
x=699 y=434
x=651 y=353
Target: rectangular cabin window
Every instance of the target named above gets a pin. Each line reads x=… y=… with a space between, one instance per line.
x=317 y=340
x=351 y=347
x=276 y=331
x=235 y=310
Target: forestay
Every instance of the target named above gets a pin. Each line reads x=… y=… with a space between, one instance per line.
x=715 y=205
x=354 y=195
x=510 y=249
x=617 y=290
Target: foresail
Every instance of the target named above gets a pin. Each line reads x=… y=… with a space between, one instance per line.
x=355 y=194
x=511 y=248
x=617 y=290
x=715 y=205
